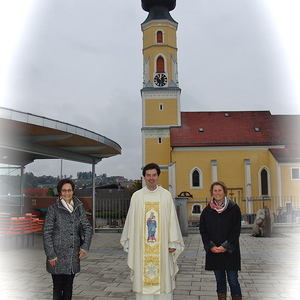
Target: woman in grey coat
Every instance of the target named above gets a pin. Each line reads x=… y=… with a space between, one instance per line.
x=66 y=225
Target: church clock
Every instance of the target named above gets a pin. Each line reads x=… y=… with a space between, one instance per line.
x=160 y=79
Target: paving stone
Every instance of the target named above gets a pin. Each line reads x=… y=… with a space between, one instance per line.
x=270 y=270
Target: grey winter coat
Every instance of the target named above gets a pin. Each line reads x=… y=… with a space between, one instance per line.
x=221 y=229
x=61 y=235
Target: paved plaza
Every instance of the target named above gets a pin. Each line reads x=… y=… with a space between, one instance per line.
x=270 y=270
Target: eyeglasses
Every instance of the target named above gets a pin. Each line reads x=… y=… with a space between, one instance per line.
x=66 y=191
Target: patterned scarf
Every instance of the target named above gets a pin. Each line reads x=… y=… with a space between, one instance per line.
x=218 y=208
x=68 y=206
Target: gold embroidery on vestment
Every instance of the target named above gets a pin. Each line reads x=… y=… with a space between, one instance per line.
x=151 y=244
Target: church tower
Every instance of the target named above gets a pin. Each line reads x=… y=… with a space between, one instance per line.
x=160 y=92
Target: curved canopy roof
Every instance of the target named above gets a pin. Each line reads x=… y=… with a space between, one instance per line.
x=25 y=137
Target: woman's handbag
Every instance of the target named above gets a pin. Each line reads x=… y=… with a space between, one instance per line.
x=81 y=234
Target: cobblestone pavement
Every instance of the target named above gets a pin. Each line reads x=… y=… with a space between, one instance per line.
x=270 y=270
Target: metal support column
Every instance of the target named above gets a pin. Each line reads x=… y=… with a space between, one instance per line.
x=93 y=197
x=22 y=184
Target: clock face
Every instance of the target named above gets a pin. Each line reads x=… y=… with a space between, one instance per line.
x=160 y=79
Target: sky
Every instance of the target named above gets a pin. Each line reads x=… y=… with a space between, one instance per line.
x=80 y=62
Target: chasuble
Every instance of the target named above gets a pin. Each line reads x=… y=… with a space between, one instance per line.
x=150 y=229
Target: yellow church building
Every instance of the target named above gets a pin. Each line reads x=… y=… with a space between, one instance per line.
x=255 y=153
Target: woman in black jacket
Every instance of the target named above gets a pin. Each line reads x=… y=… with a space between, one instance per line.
x=64 y=222
x=220 y=227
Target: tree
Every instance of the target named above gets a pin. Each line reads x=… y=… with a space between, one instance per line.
x=31 y=181
x=50 y=192
x=137 y=185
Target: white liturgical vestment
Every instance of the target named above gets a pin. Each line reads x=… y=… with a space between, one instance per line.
x=151 y=228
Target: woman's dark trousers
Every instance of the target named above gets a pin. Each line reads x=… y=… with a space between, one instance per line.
x=62 y=286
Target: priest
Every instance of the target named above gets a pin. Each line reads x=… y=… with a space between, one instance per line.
x=153 y=239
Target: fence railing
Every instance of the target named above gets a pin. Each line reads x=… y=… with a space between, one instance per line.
x=111 y=213
x=286 y=209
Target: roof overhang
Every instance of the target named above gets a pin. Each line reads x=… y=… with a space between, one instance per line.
x=25 y=137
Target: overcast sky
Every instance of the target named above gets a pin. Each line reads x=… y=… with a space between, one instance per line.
x=80 y=62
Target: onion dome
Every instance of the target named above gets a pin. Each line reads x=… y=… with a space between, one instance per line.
x=148 y=4
x=158 y=9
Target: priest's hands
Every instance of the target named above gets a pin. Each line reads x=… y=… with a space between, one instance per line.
x=171 y=250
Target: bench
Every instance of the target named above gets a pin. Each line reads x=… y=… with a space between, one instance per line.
x=19 y=227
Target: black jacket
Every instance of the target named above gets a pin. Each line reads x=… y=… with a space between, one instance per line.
x=221 y=229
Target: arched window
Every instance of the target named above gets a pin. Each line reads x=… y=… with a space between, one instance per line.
x=160 y=64
x=159 y=36
x=196 y=209
x=196 y=178
x=264 y=182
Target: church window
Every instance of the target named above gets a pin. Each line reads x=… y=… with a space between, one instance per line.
x=161 y=106
x=196 y=178
x=264 y=182
x=196 y=209
x=160 y=64
x=159 y=36
x=160 y=140
x=295 y=173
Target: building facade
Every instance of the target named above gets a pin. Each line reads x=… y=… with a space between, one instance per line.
x=255 y=153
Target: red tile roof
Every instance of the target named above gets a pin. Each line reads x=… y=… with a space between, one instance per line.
x=237 y=128
x=289 y=127
x=226 y=129
x=289 y=154
x=36 y=192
